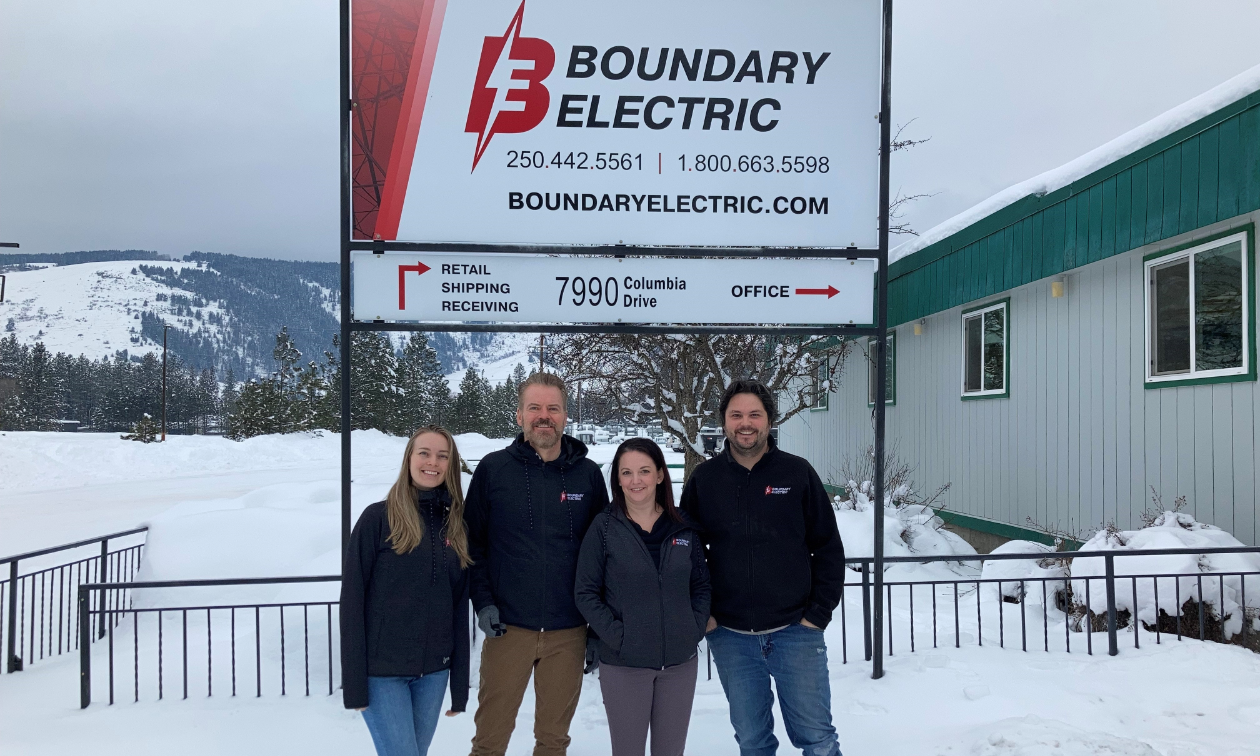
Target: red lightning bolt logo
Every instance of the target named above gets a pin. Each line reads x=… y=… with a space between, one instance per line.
x=508 y=96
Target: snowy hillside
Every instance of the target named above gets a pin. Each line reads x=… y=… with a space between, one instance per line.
x=496 y=356
x=224 y=312
x=94 y=308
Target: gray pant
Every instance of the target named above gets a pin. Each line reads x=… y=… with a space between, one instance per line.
x=635 y=697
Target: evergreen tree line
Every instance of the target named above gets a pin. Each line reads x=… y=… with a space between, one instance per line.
x=38 y=389
x=393 y=390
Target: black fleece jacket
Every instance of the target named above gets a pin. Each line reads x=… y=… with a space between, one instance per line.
x=775 y=555
x=526 y=520
x=645 y=615
x=403 y=615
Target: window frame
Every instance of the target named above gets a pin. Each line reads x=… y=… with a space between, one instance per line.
x=1246 y=236
x=890 y=400
x=816 y=393
x=1003 y=304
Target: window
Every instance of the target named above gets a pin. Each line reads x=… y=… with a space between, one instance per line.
x=821 y=384
x=872 y=380
x=1197 y=312
x=985 y=350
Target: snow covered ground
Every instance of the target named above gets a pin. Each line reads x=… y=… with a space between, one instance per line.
x=269 y=506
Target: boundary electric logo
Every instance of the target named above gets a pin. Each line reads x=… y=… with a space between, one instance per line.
x=508 y=96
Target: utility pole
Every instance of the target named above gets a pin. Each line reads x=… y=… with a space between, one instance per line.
x=164 y=330
x=540 y=352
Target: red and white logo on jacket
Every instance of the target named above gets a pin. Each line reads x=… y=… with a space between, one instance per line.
x=508 y=96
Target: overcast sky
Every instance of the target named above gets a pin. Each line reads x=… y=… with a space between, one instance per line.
x=197 y=125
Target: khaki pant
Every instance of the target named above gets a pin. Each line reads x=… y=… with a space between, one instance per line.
x=555 y=658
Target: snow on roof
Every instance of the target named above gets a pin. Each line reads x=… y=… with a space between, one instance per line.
x=1188 y=112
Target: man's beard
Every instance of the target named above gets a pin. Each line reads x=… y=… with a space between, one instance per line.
x=543 y=440
x=759 y=441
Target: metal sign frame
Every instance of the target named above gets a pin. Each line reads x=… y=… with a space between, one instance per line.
x=879 y=331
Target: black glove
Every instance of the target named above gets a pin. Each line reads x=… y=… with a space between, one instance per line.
x=488 y=621
x=592 y=656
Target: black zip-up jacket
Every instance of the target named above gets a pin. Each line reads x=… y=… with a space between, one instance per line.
x=526 y=520
x=645 y=616
x=775 y=555
x=403 y=615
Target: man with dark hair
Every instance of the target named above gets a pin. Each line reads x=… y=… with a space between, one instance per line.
x=528 y=508
x=777 y=569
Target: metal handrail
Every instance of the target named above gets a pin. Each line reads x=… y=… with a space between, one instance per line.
x=12 y=661
x=1060 y=555
x=75 y=545
x=105 y=615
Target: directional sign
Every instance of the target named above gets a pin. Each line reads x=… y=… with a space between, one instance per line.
x=453 y=287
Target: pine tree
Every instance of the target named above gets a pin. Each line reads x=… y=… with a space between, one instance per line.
x=255 y=411
x=227 y=399
x=286 y=355
x=43 y=391
x=326 y=412
x=423 y=393
x=373 y=376
x=145 y=430
x=470 y=411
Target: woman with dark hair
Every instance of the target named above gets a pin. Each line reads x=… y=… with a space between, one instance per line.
x=404 y=601
x=643 y=586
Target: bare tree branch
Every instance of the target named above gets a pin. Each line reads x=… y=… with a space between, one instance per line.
x=677 y=380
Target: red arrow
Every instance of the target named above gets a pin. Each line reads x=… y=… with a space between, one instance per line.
x=420 y=269
x=830 y=291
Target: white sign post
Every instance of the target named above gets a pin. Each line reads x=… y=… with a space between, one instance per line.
x=446 y=287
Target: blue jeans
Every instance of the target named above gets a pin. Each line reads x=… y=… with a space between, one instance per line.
x=796 y=657
x=402 y=712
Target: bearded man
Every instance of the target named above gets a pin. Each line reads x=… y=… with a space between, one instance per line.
x=776 y=563
x=528 y=508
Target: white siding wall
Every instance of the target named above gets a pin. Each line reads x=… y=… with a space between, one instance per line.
x=1080 y=441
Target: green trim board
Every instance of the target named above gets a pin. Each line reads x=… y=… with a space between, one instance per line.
x=1006 y=356
x=1001 y=529
x=1251 y=375
x=1203 y=173
x=979 y=524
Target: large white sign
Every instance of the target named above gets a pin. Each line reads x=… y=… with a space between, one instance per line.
x=446 y=287
x=655 y=122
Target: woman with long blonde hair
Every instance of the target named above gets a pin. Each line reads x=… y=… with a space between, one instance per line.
x=404 y=601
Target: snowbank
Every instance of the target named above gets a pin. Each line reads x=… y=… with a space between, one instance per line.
x=1171 y=530
x=1188 y=112
x=909 y=530
x=1016 y=570
x=42 y=461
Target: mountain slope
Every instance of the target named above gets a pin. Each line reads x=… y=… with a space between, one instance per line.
x=224 y=311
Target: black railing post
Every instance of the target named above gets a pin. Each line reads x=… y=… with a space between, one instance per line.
x=85 y=648
x=12 y=662
x=866 y=608
x=104 y=578
x=1113 y=647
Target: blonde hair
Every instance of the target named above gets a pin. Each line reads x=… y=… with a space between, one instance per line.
x=405 y=527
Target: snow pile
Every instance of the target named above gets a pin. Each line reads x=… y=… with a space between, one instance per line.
x=909 y=530
x=1161 y=126
x=1016 y=570
x=1222 y=596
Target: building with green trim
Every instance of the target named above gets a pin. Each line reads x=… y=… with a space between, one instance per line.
x=1082 y=343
